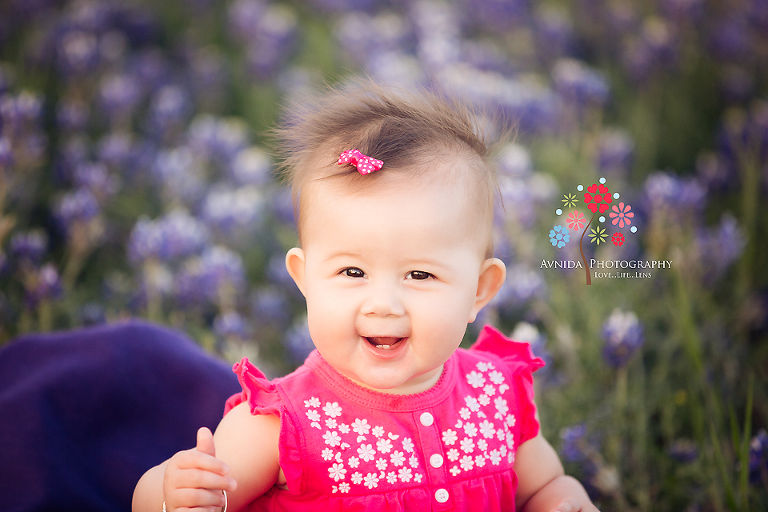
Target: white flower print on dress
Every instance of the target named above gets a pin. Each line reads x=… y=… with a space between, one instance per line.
x=378 y=431
x=510 y=420
x=482 y=445
x=450 y=437
x=453 y=455
x=503 y=388
x=467 y=445
x=353 y=462
x=331 y=438
x=337 y=472
x=476 y=380
x=472 y=403
x=371 y=480
x=361 y=426
x=500 y=434
x=384 y=445
x=357 y=478
x=312 y=402
x=465 y=414
x=381 y=464
x=496 y=377
x=455 y=470
x=487 y=429
x=414 y=461
x=510 y=440
x=483 y=400
x=344 y=487
x=405 y=474
x=483 y=367
x=344 y=428
x=391 y=477
x=408 y=444
x=489 y=390
x=332 y=409
x=467 y=463
x=330 y=423
x=417 y=477
x=397 y=458
x=470 y=429
x=495 y=457
x=366 y=452
x=501 y=406
x=327 y=454
x=479 y=461
x=313 y=415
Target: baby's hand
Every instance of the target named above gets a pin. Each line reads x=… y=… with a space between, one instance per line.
x=195 y=478
x=574 y=505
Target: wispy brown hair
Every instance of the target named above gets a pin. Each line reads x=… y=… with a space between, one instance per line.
x=404 y=129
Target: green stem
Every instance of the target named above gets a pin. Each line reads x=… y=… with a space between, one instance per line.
x=581 y=249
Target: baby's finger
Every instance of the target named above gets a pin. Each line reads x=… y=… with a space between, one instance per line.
x=568 y=505
x=196 y=498
x=196 y=479
x=193 y=459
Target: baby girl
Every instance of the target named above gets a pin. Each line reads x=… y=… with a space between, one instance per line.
x=394 y=199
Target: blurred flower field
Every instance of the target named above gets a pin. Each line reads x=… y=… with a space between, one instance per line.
x=137 y=180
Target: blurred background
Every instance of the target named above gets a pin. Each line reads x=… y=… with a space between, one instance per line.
x=137 y=180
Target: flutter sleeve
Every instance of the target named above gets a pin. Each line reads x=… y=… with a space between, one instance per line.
x=258 y=392
x=521 y=363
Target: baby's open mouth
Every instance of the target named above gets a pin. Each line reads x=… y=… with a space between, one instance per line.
x=384 y=342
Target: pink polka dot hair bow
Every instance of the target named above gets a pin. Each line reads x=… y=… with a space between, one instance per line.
x=365 y=164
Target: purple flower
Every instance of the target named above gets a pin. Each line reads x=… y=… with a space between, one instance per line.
x=230 y=324
x=120 y=94
x=277 y=274
x=665 y=190
x=95 y=178
x=514 y=160
x=730 y=40
x=572 y=440
x=274 y=38
x=47 y=286
x=270 y=306
x=522 y=285
x=623 y=336
x=555 y=35
x=281 y=205
x=219 y=139
x=244 y=16
x=169 y=107
x=182 y=174
x=252 y=166
x=116 y=149
x=78 y=52
x=298 y=343
x=577 y=83
x=495 y=15
x=77 y=206
x=683 y=450
x=174 y=236
x=6 y=154
x=719 y=248
x=615 y=152
x=29 y=246
x=72 y=116
x=233 y=211
x=758 y=457
x=204 y=277
x=382 y=33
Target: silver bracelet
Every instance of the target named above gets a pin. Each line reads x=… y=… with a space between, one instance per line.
x=222 y=510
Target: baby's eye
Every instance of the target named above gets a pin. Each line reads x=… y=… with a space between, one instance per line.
x=353 y=272
x=419 y=275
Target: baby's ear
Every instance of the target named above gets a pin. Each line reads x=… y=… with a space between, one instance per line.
x=294 y=262
x=492 y=275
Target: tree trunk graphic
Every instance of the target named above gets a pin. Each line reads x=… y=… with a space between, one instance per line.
x=583 y=258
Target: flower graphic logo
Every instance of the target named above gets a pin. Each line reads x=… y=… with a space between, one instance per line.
x=569 y=200
x=621 y=215
x=559 y=236
x=598 y=199
x=576 y=220
x=598 y=235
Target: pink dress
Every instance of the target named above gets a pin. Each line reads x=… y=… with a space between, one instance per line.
x=452 y=447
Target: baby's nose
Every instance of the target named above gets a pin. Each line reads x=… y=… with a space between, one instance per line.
x=383 y=300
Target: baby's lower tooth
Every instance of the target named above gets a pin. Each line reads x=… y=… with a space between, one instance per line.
x=385 y=347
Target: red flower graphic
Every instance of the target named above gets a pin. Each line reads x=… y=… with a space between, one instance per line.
x=597 y=198
x=576 y=220
x=617 y=239
x=621 y=215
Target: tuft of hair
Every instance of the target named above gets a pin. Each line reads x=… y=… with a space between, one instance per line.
x=403 y=128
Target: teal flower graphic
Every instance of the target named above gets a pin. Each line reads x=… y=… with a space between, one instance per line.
x=559 y=236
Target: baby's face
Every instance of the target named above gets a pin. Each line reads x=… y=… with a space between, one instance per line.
x=391 y=277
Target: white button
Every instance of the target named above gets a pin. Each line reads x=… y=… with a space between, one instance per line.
x=436 y=460
x=441 y=495
x=427 y=419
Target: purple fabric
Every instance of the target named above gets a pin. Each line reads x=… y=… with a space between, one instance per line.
x=84 y=413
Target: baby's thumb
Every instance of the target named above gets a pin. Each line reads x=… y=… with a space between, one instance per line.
x=205 y=442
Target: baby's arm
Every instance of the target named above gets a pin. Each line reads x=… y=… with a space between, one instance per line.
x=542 y=483
x=246 y=453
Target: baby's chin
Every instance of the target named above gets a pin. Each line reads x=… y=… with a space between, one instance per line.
x=396 y=384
